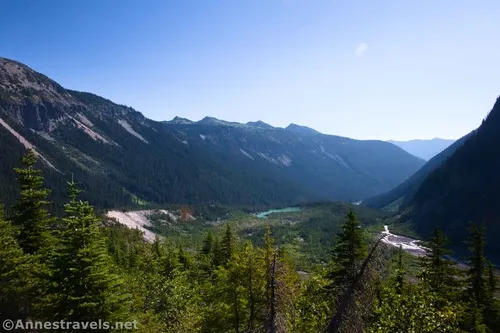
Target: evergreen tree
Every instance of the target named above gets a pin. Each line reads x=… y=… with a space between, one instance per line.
x=217 y=259
x=492 y=281
x=438 y=273
x=31 y=214
x=180 y=295
x=254 y=283
x=87 y=289
x=35 y=228
x=473 y=319
x=227 y=246
x=170 y=263
x=477 y=293
x=17 y=281
x=158 y=250
x=208 y=244
x=206 y=256
x=477 y=280
x=184 y=258
x=348 y=253
x=225 y=294
x=492 y=310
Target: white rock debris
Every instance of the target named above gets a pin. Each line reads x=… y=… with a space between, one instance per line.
x=129 y=129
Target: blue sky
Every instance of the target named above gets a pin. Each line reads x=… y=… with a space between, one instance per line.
x=363 y=69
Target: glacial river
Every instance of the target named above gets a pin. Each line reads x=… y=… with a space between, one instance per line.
x=408 y=244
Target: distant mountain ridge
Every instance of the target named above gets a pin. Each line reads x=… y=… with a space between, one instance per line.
x=124 y=159
x=299 y=129
x=305 y=158
x=425 y=149
x=259 y=124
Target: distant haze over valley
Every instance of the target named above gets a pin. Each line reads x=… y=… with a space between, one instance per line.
x=425 y=149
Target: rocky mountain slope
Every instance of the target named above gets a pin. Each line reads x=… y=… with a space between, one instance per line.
x=122 y=158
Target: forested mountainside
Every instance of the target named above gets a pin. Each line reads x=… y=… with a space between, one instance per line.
x=78 y=270
x=425 y=149
x=464 y=188
x=122 y=158
x=401 y=195
x=328 y=167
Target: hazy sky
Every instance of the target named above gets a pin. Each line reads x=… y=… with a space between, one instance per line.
x=373 y=69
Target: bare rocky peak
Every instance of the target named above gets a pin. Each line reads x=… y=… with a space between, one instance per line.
x=179 y=121
x=219 y=122
x=21 y=84
x=298 y=129
x=36 y=102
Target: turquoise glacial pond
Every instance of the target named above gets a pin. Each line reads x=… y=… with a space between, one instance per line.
x=263 y=215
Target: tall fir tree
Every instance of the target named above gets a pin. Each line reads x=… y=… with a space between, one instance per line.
x=348 y=253
x=216 y=253
x=184 y=259
x=492 y=281
x=477 y=279
x=87 y=288
x=476 y=291
x=30 y=213
x=254 y=284
x=35 y=231
x=206 y=255
x=227 y=246
x=439 y=274
x=492 y=311
x=208 y=244
x=17 y=281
